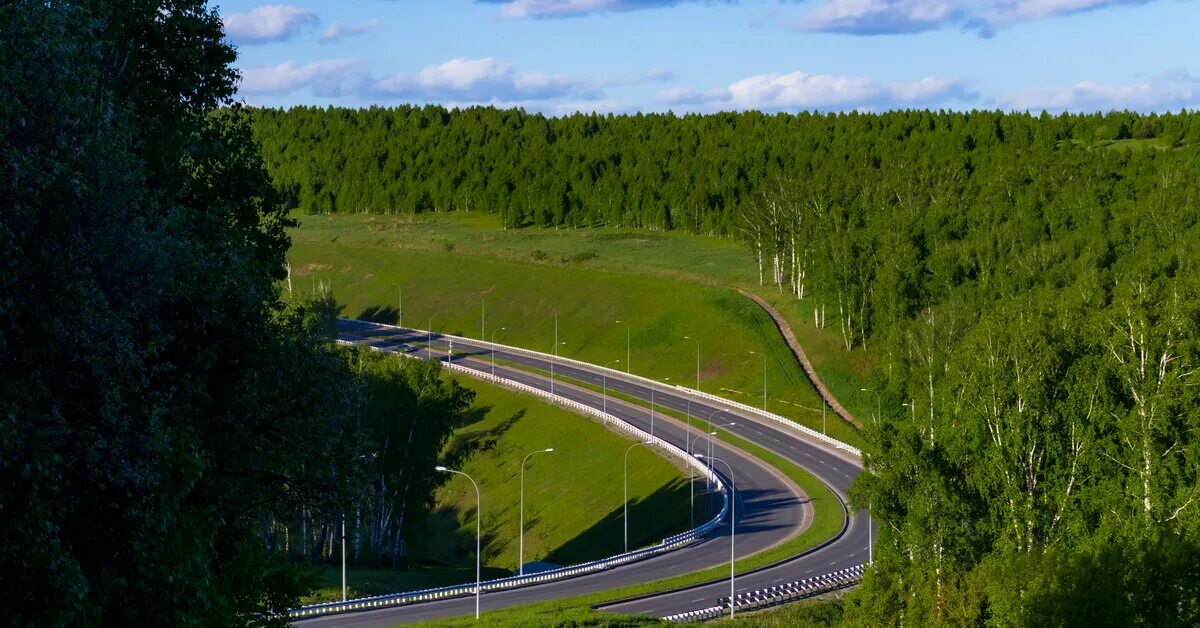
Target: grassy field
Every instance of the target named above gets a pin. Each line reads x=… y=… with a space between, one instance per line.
x=663 y=285
x=573 y=497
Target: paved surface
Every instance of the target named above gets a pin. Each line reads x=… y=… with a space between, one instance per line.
x=769 y=509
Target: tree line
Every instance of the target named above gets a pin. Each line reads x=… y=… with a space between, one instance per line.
x=696 y=173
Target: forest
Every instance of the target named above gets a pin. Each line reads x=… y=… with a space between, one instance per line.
x=1027 y=284
x=696 y=173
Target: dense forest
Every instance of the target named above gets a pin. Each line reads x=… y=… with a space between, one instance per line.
x=178 y=437
x=697 y=173
x=1027 y=285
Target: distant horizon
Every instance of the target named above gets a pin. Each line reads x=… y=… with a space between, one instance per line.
x=683 y=114
x=559 y=57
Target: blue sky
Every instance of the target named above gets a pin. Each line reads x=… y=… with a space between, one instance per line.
x=561 y=56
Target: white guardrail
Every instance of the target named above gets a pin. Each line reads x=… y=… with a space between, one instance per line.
x=614 y=373
x=779 y=594
x=512 y=582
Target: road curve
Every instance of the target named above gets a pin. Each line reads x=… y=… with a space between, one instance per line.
x=769 y=510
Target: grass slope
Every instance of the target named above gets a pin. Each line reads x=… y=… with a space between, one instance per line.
x=444 y=265
x=573 y=497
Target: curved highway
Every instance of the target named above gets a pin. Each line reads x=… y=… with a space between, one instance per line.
x=770 y=509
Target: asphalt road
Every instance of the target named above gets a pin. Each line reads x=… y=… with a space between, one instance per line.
x=769 y=508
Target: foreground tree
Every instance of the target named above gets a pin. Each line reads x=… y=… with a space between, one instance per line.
x=157 y=402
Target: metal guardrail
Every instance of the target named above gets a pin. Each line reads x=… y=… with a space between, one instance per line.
x=611 y=372
x=779 y=594
x=512 y=582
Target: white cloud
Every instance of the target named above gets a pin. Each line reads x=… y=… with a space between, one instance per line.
x=1165 y=93
x=483 y=80
x=517 y=9
x=338 y=30
x=325 y=78
x=878 y=17
x=799 y=90
x=885 y=17
x=1011 y=11
x=269 y=22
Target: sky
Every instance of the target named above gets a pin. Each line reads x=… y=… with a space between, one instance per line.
x=625 y=56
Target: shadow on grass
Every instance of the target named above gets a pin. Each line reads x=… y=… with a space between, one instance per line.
x=448 y=541
x=464 y=446
x=380 y=314
x=651 y=519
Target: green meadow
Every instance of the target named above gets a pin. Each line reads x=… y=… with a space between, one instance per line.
x=449 y=271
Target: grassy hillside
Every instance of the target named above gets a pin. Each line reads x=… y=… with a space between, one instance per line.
x=573 y=496
x=663 y=285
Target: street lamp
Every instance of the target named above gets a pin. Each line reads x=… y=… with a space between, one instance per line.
x=878 y=404
x=627 y=336
x=429 y=342
x=521 y=556
x=732 y=525
x=483 y=316
x=400 y=312
x=653 y=388
x=625 y=517
x=343 y=558
x=494 y=349
x=604 y=388
x=691 y=443
x=478 y=516
x=712 y=431
x=555 y=358
x=764 y=358
x=697 y=341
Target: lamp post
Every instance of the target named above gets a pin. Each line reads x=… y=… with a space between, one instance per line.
x=878 y=404
x=764 y=359
x=732 y=525
x=555 y=358
x=482 y=316
x=400 y=311
x=627 y=336
x=691 y=444
x=521 y=557
x=429 y=341
x=691 y=471
x=653 y=388
x=478 y=516
x=712 y=431
x=494 y=349
x=343 y=558
x=625 y=517
x=604 y=389
x=697 y=341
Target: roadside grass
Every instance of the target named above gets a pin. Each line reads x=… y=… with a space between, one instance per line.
x=369 y=582
x=442 y=289
x=573 y=497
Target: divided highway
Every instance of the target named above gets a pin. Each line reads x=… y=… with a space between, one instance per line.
x=769 y=507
